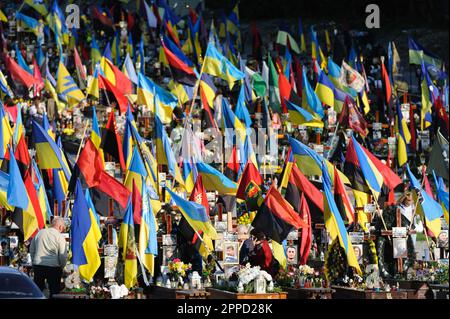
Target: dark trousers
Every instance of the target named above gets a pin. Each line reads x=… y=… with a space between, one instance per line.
x=51 y=274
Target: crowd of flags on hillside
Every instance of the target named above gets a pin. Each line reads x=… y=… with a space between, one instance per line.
x=196 y=57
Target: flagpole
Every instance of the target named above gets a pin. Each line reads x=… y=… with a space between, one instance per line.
x=332 y=140
x=209 y=251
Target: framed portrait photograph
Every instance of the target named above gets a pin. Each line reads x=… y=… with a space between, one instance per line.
x=231 y=253
x=400 y=250
x=168 y=254
x=443 y=239
x=169 y=240
x=358 y=248
x=292 y=255
x=218 y=245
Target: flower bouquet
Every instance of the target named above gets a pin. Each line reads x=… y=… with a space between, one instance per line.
x=249 y=278
x=177 y=271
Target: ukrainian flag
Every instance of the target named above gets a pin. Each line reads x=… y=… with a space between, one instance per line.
x=127 y=242
x=209 y=89
x=403 y=137
x=232 y=125
x=189 y=174
x=216 y=64
x=302 y=36
x=41 y=193
x=299 y=116
x=183 y=92
x=310 y=101
x=316 y=51
x=164 y=152
x=309 y=161
x=325 y=89
x=334 y=73
x=95 y=132
x=213 y=180
x=442 y=195
x=21 y=61
x=6 y=133
x=148 y=241
x=16 y=192
x=334 y=223
x=48 y=154
x=39 y=6
x=95 y=52
x=429 y=208
x=127 y=142
x=372 y=176
x=195 y=214
x=4 y=87
x=129 y=70
x=93 y=87
x=429 y=96
x=241 y=109
x=85 y=234
x=146 y=91
x=66 y=86
x=339 y=99
x=4 y=183
x=136 y=172
x=418 y=54
x=247 y=154
x=28 y=22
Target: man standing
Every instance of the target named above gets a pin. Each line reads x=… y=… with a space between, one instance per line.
x=49 y=256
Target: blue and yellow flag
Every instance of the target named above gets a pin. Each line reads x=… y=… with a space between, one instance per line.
x=85 y=234
x=442 y=195
x=310 y=101
x=403 y=137
x=334 y=223
x=309 y=161
x=48 y=154
x=146 y=91
x=241 y=110
x=164 y=152
x=232 y=125
x=148 y=241
x=418 y=54
x=195 y=214
x=299 y=116
x=213 y=180
x=429 y=96
x=372 y=175
x=28 y=23
x=6 y=133
x=16 y=192
x=127 y=242
x=429 y=208
x=66 y=86
x=325 y=89
x=218 y=65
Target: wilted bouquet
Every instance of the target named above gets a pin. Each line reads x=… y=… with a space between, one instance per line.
x=178 y=268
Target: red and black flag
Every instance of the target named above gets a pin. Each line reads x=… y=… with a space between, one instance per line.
x=233 y=165
x=299 y=184
x=198 y=194
x=276 y=217
x=181 y=72
x=250 y=174
x=306 y=232
x=89 y=165
x=387 y=91
x=342 y=200
x=111 y=143
x=287 y=92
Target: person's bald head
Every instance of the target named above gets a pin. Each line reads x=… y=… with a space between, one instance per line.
x=59 y=224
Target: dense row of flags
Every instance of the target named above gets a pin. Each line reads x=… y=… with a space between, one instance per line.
x=282 y=84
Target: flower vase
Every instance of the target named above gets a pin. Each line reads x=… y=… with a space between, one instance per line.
x=301 y=280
